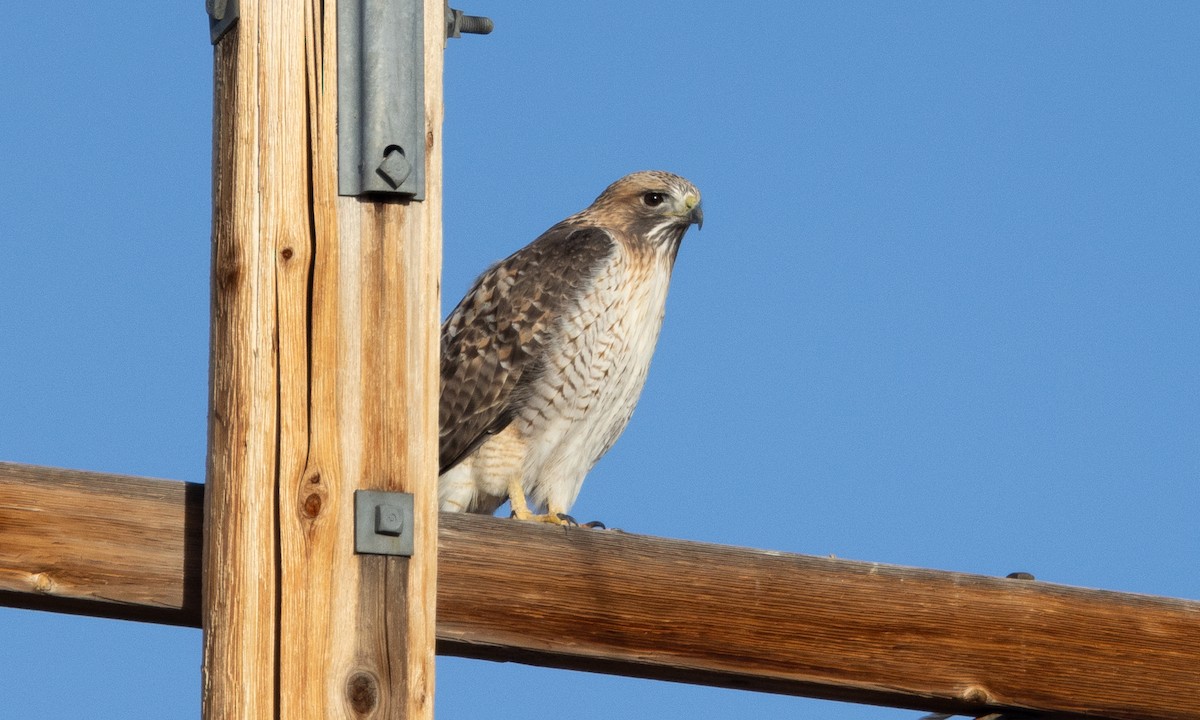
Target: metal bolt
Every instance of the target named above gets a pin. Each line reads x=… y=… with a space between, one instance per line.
x=395 y=168
x=457 y=23
x=389 y=520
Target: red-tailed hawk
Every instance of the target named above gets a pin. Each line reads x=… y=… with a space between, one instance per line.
x=544 y=359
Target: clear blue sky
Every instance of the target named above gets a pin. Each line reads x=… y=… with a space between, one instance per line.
x=944 y=312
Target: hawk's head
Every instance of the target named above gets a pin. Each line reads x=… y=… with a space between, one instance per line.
x=652 y=204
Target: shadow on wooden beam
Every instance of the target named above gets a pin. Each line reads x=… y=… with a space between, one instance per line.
x=656 y=608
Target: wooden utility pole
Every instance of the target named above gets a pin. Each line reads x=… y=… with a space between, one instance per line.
x=323 y=381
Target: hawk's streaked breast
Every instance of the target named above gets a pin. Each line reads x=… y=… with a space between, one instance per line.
x=594 y=375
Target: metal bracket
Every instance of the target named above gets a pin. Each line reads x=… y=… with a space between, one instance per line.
x=381 y=93
x=381 y=97
x=383 y=523
x=222 y=14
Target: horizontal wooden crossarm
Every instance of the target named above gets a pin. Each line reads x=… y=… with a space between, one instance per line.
x=649 y=607
x=97 y=544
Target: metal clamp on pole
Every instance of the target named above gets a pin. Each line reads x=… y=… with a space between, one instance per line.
x=381 y=97
x=381 y=94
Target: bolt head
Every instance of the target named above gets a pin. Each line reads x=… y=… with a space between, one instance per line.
x=389 y=520
x=395 y=168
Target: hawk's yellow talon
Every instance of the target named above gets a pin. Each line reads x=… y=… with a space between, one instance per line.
x=548 y=518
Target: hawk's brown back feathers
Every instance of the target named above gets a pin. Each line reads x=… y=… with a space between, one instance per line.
x=494 y=341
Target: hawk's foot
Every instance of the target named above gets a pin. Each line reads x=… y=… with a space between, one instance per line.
x=548 y=518
x=554 y=518
x=566 y=519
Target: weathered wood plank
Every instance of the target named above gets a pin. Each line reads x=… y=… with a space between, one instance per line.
x=249 y=170
x=358 y=632
x=324 y=376
x=97 y=544
x=836 y=629
x=665 y=609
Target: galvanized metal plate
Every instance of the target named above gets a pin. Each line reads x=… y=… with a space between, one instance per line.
x=383 y=523
x=381 y=97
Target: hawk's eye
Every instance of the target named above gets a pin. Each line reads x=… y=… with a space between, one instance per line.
x=653 y=199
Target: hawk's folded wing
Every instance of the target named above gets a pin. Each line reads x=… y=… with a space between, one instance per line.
x=494 y=343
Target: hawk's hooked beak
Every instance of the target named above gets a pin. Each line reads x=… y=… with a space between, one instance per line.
x=695 y=214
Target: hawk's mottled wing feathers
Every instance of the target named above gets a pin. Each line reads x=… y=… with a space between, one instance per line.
x=494 y=342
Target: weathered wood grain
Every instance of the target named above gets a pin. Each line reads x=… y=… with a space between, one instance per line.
x=359 y=368
x=836 y=629
x=324 y=381
x=98 y=544
x=665 y=609
x=239 y=584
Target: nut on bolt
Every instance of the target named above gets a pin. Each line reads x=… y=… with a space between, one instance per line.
x=395 y=167
x=389 y=520
x=457 y=23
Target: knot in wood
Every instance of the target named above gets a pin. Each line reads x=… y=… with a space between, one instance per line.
x=227 y=272
x=977 y=694
x=312 y=505
x=362 y=690
x=42 y=583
